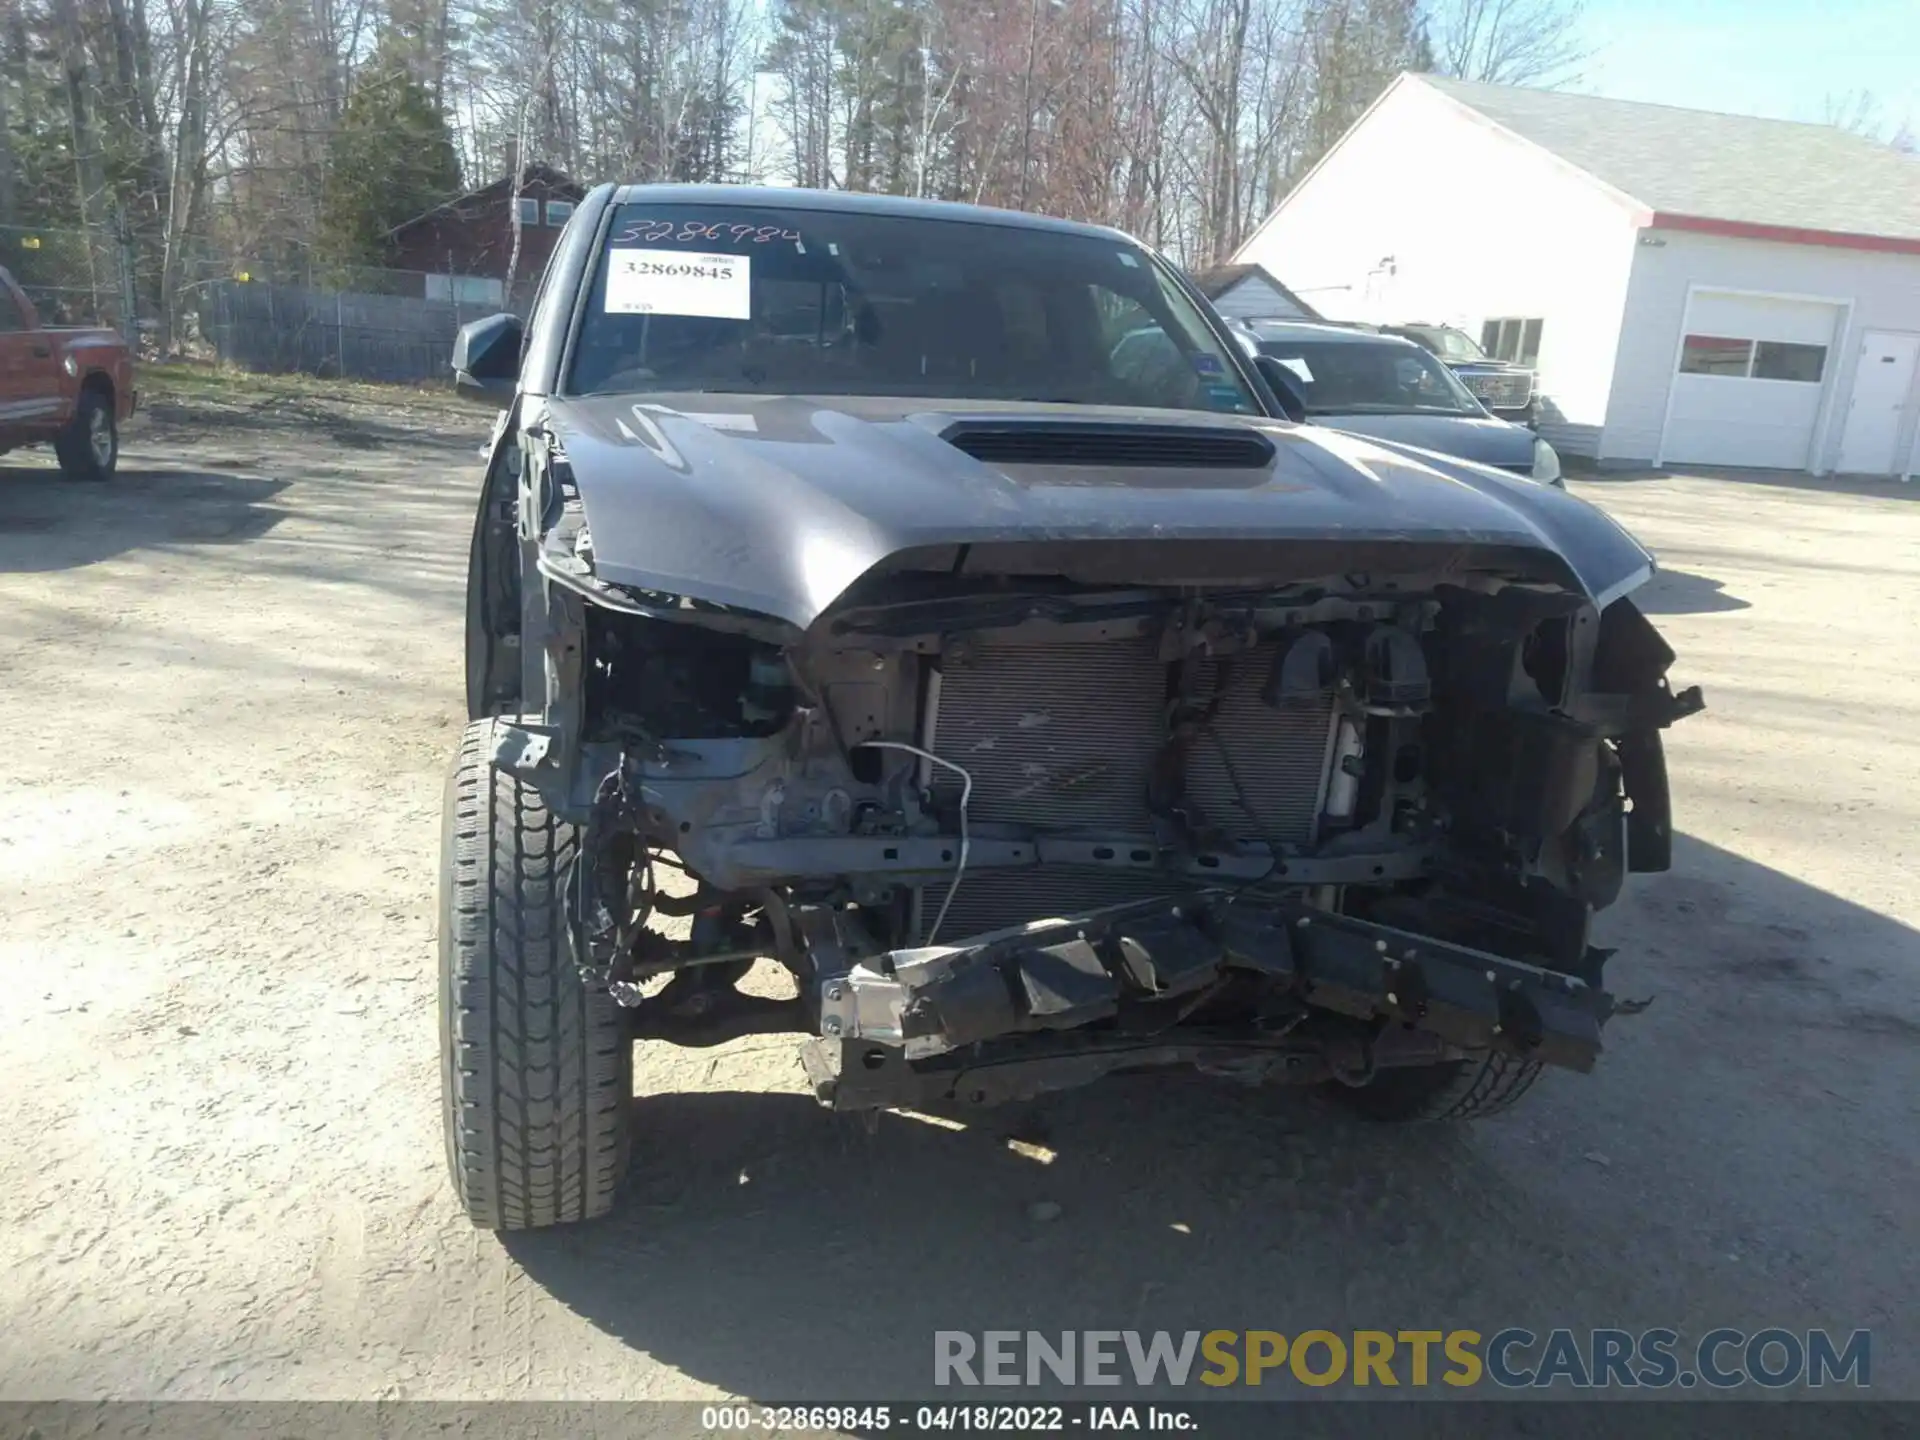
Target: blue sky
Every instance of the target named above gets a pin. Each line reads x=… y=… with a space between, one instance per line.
x=1757 y=57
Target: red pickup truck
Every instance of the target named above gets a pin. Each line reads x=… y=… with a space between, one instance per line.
x=70 y=386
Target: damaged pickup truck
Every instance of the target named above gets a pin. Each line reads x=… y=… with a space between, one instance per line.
x=849 y=591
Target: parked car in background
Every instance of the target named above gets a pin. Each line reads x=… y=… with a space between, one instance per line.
x=1370 y=383
x=72 y=387
x=1506 y=389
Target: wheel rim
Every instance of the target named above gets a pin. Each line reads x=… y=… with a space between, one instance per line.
x=100 y=436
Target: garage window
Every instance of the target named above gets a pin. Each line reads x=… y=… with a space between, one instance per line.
x=1774 y=360
x=1752 y=359
x=1715 y=355
x=1512 y=339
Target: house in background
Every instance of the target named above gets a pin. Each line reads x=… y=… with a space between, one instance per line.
x=1248 y=292
x=1695 y=288
x=464 y=244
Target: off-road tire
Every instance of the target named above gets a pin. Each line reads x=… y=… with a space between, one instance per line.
x=536 y=1067
x=80 y=458
x=1482 y=1084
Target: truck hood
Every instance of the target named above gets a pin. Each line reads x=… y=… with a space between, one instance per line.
x=83 y=337
x=777 y=504
x=1470 y=437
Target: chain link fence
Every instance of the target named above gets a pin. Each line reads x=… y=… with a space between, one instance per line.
x=73 y=277
x=347 y=322
x=395 y=325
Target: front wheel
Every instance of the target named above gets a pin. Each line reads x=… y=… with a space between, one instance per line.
x=536 y=1065
x=1484 y=1083
x=89 y=447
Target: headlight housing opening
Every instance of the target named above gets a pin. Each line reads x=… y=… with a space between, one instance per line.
x=1546 y=464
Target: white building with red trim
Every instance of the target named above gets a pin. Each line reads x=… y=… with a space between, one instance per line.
x=1693 y=288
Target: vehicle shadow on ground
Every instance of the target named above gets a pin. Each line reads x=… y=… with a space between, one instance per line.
x=774 y=1250
x=1680 y=592
x=48 y=523
x=778 y=1250
x=381 y=528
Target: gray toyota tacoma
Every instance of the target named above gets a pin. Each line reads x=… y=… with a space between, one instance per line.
x=851 y=590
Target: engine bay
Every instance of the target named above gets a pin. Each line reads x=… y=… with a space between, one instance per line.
x=941 y=763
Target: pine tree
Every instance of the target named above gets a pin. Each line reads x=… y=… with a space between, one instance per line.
x=391 y=159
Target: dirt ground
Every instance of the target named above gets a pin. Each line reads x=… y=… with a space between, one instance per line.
x=233 y=685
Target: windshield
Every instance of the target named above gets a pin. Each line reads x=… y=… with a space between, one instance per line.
x=779 y=302
x=1356 y=377
x=1449 y=344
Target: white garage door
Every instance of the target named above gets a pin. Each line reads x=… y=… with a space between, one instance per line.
x=1752 y=371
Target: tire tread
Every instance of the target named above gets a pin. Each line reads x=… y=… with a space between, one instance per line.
x=537 y=1070
x=70 y=445
x=1469 y=1089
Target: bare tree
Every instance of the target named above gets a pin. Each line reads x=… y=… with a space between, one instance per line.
x=1857 y=112
x=195 y=55
x=207 y=124
x=801 y=56
x=937 y=117
x=539 y=84
x=1511 y=42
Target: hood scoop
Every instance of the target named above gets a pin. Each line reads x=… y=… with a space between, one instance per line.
x=1077 y=442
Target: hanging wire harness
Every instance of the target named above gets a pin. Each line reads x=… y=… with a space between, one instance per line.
x=966 y=794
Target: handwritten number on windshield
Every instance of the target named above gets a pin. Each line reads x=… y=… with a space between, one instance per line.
x=650 y=231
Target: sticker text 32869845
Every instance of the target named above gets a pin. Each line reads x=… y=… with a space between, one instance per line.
x=679 y=282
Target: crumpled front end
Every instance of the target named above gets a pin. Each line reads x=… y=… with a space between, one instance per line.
x=1014 y=812
x=1010 y=829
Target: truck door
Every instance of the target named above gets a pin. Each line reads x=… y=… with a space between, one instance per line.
x=29 y=370
x=13 y=358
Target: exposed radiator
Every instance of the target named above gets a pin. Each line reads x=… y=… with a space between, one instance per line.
x=1055 y=735
x=1062 y=737
x=1279 y=757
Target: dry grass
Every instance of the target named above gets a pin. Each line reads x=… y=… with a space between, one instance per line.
x=186 y=390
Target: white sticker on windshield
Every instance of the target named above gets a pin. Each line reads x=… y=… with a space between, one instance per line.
x=1297 y=366
x=679 y=282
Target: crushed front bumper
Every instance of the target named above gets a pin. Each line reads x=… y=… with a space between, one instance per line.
x=1060 y=1002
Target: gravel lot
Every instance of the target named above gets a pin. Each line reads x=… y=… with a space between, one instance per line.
x=234 y=683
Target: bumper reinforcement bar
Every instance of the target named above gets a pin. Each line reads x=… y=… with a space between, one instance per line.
x=1118 y=964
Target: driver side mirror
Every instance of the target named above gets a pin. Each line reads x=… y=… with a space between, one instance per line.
x=1281 y=381
x=486 y=358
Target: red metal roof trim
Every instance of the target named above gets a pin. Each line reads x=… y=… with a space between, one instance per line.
x=1785 y=234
